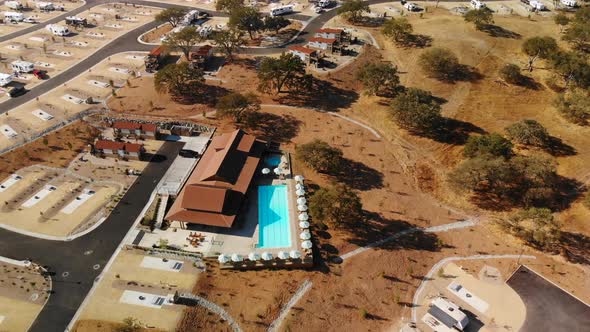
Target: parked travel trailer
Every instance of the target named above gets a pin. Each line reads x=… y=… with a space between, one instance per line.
x=476 y=4
x=20 y=66
x=537 y=5
x=58 y=30
x=281 y=10
x=76 y=21
x=14 y=5
x=13 y=17
x=48 y=6
x=569 y=3
x=324 y=3
x=5 y=79
x=190 y=17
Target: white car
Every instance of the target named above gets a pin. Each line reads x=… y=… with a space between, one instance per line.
x=476 y=4
x=30 y=20
x=411 y=6
x=319 y=10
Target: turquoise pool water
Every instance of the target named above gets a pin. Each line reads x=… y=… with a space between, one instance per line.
x=272 y=160
x=273 y=217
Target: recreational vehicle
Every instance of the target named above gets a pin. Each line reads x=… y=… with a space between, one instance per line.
x=13 y=17
x=5 y=79
x=58 y=30
x=324 y=3
x=48 y=6
x=537 y=5
x=190 y=17
x=569 y=3
x=76 y=21
x=20 y=66
x=477 y=4
x=14 y=5
x=281 y=10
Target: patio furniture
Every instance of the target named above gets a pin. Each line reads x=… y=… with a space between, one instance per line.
x=223 y=259
x=305 y=235
x=295 y=254
x=304 y=224
x=283 y=255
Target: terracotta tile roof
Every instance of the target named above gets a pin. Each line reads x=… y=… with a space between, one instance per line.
x=330 y=30
x=134 y=126
x=301 y=49
x=322 y=40
x=216 y=188
x=112 y=145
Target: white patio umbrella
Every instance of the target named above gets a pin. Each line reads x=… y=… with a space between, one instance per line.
x=267 y=256
x=223 y=259
x=277 y=171
x=299 y=178
x=298 y=186
x=265 y=171
x=303 y=216
x=304 y=224
x=236 y=258
x=300 y=192
x=306 y=244
x=283 y=255
x=253 y=256
x=302 y=207
x=301 y=200
x=295 y=254
x=305 y=235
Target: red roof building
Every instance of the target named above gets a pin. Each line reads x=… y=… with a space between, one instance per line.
x=135 y=128
x=122 y=149
x=214 y=192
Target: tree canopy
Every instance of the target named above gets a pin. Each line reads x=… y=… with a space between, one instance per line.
x=398 y=29
x=276 y=73
x=572 y=67
x=275 y=23
x=528 y=132
x=180 y=80
x=184 y=40
x=228 y=5
x=417 y=111
x=237 y=105
x=574 y=106
x=479 y=17
x=379 y=78
x=320 y=156
x=440 y=63
x=511 y=74
x=578 y=30
x=494 y=145
x=247 y=19
x=353 y=10
x=230 y=41
x=172 y=15
x=539 y=47
x=536 y=226
x=336 y=205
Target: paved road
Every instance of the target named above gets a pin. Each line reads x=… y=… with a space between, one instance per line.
x=548 y=307
x=77 y=258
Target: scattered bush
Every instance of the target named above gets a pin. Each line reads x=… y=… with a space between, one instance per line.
x=320 y=156
x=528 y=132
x=487 y=145
x=511 y=74
x=537 y=227
x=574 y=106
x=336 y=205
x=379 y=78
x=417 y=111
x=440 y=63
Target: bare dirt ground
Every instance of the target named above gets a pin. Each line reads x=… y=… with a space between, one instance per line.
x=56 y=153
x=91 y=325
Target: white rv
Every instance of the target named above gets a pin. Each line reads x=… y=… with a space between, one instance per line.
x=477 y=4
x=13 y=17
x=569 y=3
x=14 y=5
x=58 y=30
x=281 y=10
x=444 y=315
x=45 y=6
x=324 y=3
x=537 y=5
x=190 y=17
x=5 y=79
x=20 y=66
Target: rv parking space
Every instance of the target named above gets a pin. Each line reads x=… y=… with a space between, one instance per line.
x=33 y=12
x=26 y=122
x=119 y=291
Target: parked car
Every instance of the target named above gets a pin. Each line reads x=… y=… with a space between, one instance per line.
x=39 y=74
x=15 y=91
x=29 y=19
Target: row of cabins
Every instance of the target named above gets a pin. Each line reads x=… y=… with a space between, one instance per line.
x=325 y=40
x=123 y=150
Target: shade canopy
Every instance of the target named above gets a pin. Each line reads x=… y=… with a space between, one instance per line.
x=306 y=244
x=299 y=178
x=304 y=224
x=301 y=200
x=277 y=171
x=267 y=256
x=265 y=171
x=223 y=259
x=305 y=235
x=283 y=255
x=303 y=216
x=253 y=256
x=295 y=254
x=236 y=258
x=298 y=186
x=301 y=207
x=300 y=192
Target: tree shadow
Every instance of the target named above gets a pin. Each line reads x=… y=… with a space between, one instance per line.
x=576 y=247
x=369 y=22
x=203 y=94
x=418 y=41
x=557 y=148
x=530 y=83
x=359 y=176
x=277 y=128
x=322 y=95
x=452 y=131
x=499 y=32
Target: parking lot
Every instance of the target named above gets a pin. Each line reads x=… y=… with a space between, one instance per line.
x=40 y=16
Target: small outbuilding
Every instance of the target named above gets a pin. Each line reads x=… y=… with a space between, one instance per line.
x=307 y=55
x=118 y=149
x=135 y=129
x=323 y=44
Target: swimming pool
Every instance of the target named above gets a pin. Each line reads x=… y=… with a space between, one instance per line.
x=273 y=217
x=272 y=160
